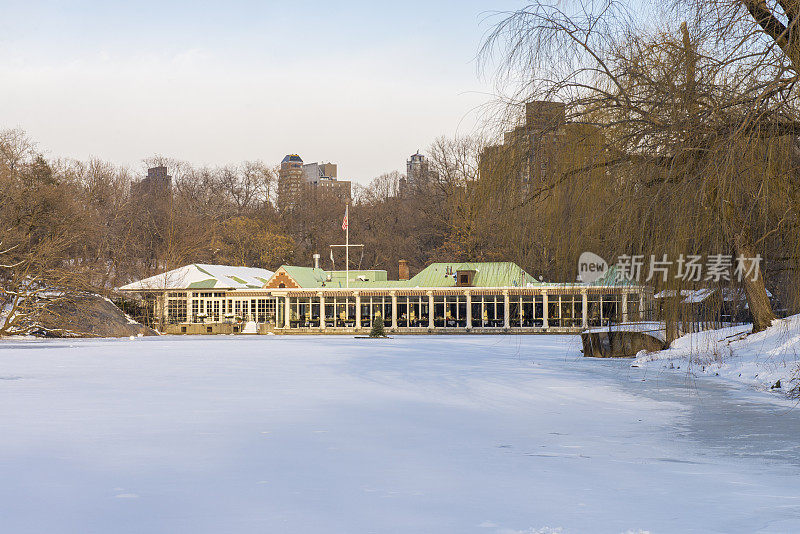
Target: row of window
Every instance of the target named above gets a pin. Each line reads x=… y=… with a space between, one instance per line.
x=413 y=311
x=207 y=294
x=219 y=310
x=451 y=311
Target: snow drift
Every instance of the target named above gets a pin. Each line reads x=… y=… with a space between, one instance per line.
x=766 y=360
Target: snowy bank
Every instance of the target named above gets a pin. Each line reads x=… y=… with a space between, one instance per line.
x=761 y=360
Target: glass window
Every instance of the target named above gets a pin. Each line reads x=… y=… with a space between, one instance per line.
x=611 y=309
x=634 y=314
x=176 y=310
x=439 y=311
x=402 y=312
x=553 y=310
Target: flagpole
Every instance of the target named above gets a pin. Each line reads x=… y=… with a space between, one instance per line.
x=347 y=246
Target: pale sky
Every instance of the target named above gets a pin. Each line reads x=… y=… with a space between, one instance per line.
x=361 y=84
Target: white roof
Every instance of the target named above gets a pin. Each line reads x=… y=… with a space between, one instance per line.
x=696 y=296
x=202 y=276
x=654 y=328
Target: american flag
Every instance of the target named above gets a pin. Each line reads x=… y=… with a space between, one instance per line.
x=345 y=222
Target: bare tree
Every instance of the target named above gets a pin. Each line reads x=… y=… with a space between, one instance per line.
x=15 y=148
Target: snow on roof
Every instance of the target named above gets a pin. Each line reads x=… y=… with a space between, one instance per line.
x=696 y=296
x=655 y=328
x=203 y=276
x=669 y=293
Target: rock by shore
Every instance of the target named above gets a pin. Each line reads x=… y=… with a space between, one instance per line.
x=88 y=315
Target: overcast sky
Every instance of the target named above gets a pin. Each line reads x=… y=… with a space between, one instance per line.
x=362 y=84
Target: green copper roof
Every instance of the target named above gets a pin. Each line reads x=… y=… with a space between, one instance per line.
x=305 y=276
x=611 y=278
x=204 y=284
x=371 y=275
x=202 y=270
x=487 y=274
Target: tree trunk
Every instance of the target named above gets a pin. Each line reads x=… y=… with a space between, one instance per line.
x=756 y=292
x=671 y=329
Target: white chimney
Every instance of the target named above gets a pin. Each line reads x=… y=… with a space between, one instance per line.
x=316 y=261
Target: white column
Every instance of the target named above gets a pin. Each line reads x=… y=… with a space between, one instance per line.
x=545 y=311
x=506 y=310
x=321 y=310
x=469 y=310
x=624 y=307
x=641 y=306
x=430 y=310
x=394 y=310
x=585 y=309
x=358 y=311
x=287 y=311
x=165 y=307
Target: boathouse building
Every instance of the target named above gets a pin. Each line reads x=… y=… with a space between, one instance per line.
x=454 y=297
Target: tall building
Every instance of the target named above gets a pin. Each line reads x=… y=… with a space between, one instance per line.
x=418 y=174
x=294 y=176
x=546 y=143
x=290 y=181
x=157 y=183
x=152 y=195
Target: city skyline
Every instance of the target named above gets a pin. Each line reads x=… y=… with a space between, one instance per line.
x=361 y=85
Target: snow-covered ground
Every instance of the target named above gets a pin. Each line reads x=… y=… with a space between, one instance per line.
x=759 y=360
x=436 y=434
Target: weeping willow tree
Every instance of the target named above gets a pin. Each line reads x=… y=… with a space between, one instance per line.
x=687 y=146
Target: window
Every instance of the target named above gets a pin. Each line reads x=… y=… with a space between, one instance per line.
x=634 y=313
x=571 y=310
x=416 y=310
x=611 y=308
x=456 y=311
x=488 y=311
x=176 y=310
x=593 y=310
x=526 y=311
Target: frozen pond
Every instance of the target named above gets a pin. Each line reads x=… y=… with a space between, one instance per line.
x=438 y=434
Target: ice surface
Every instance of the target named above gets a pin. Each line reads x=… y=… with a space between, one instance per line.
x=428 y=434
